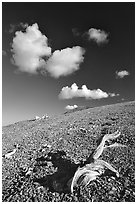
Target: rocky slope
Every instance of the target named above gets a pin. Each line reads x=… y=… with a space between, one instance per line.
x=51 y=148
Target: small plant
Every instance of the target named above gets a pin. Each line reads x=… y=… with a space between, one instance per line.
x=93 y=166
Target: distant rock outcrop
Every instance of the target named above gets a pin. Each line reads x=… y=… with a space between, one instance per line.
x=39 y=118
x=45 y=116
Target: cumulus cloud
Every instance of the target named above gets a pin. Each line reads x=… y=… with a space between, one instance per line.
x=69 y=107
x=113 y=94
x=65 y=62
x=28 y=49
x=97 y=35
x=32 y=54
x=122 y=74
x=74 y=91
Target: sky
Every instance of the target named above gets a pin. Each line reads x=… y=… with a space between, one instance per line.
x=60 y=56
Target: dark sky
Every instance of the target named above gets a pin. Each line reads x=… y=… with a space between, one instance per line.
x=66 y=25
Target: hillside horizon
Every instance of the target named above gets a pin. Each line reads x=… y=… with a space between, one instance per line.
x=79 y=108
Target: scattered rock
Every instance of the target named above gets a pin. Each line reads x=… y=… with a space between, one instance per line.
x=37 y=118
x=83 y=130
x=17 y=187
x=45 y=117
x=29 y=172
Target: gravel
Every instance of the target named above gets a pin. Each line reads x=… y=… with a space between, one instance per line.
x=52 y=148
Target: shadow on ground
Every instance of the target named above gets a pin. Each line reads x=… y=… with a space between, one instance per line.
x=65 y=170
x=60 y=181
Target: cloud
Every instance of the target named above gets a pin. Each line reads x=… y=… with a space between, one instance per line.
x=73 y=92
x=113 y=94
x=32 y=54
x=68 y=107
x=28 y=49
x=122 y=74
x=97 y=35
x=23 y=25
x=65 y=62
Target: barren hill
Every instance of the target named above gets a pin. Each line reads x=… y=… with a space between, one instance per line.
x=69 y=139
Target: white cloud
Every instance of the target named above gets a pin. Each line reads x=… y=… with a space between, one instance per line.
x=32 y=54
x=65 y=62
x=113 y=94
x=97 y=35
x=73 y=92
x=69 y=107
x=28 y=49
x=122 y=74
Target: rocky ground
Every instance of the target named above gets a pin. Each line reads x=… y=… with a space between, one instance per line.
x=52 y=148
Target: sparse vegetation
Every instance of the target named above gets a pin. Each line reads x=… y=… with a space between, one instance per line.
x=53 y=148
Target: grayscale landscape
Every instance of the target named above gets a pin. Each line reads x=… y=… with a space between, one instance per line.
x=68 y=101
x=48 y=149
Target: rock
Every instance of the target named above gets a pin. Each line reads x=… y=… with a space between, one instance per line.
x=45 y=117
x=30 y=170
x=83 y=130
x=37 y=118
